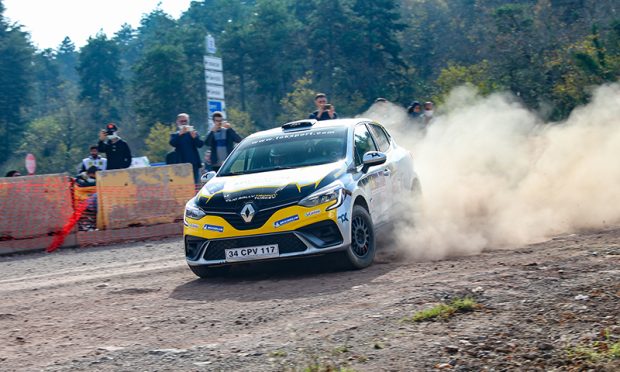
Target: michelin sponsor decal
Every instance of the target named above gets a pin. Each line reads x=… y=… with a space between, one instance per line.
x=286 y=220
x=312 y=213
x=213 y=228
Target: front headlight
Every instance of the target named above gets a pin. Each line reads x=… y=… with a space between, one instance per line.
x=192 y=211
x=333 y=194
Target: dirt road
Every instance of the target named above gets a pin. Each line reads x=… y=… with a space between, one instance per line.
x=548 y=306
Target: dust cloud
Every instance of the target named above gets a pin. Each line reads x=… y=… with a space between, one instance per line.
x=494 y=175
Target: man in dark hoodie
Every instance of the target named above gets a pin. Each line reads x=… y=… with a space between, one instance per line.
x=221 y=140
x=117 y=151
x=186 y=142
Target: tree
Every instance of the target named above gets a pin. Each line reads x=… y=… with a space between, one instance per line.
x=67 y=59
x=159 y=86
x=298 y=103
x=47 y=140
x=156 y=142
x=15 y=83
x=100 y=81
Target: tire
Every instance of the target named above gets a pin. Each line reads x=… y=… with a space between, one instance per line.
x=361 y=252
x=206 y=272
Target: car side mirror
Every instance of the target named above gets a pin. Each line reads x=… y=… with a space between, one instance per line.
x=372 y=158
x=207 y=176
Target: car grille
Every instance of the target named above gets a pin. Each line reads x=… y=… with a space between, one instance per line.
x=287 y=243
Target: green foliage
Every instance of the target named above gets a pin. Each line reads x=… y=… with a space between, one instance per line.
x=597 y=351
x=101 y=86
x=278 y=53
x=444 y=311
x=478 y=75
x=159 y=81
x=241 y=122
x=299 y=103
x=156 y=142
x=47 y=139
x=15 y=84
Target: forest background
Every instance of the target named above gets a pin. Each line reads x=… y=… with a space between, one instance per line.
x=278 y=53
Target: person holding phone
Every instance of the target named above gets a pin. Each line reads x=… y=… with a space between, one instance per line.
x=186 y=142
x=324 y=110
x=221 y=140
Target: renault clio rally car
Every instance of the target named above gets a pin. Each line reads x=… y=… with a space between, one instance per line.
x=303 y=189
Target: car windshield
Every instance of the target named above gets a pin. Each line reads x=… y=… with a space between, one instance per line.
x=287 y=150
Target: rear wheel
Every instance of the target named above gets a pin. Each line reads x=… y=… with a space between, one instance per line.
x=361 y=252
x=205 y=272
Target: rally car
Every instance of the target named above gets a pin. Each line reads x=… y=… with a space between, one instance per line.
x=306 y=188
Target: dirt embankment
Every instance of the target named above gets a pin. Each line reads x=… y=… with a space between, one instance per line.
x=548 y=306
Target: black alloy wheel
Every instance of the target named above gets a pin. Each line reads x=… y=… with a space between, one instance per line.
x=361 y=252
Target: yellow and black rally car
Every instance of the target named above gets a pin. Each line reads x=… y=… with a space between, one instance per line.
x=303 y=189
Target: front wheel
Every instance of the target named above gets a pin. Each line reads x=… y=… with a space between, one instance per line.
x=361 y=252
x=206 y=272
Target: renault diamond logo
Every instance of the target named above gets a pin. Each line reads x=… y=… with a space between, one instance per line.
x=247 y=213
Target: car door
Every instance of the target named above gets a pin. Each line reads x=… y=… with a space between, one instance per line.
x=373 y=180
x=389 y=169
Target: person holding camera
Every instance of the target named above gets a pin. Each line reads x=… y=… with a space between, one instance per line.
x=117 y=151
x=325 y=111
x=186 y=143
x=221 y=140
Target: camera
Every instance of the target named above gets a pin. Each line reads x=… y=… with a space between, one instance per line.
x=188 y=128
x=327 y=106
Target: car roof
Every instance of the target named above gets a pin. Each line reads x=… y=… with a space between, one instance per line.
x=335 y=123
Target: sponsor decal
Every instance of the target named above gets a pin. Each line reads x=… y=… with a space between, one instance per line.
x=343 y=218
x=265 y=196
x=286 y=220
x=213 y=228
x=312 y=213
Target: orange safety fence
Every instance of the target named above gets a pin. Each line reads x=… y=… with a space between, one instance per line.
x=39 y=212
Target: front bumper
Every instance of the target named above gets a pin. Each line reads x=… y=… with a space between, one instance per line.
x=317 y=238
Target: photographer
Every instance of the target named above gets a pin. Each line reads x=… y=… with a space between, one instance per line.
x=221 y=140
x=325 y=111
x=186 y=143
x=116 y=150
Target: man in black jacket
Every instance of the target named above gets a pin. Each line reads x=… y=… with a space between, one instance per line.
x=221 y=140
x=186 y=143
x=117 y=151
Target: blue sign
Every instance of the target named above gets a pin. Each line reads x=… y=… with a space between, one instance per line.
x=215 y=106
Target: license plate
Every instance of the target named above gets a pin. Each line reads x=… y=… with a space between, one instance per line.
x=252 y=253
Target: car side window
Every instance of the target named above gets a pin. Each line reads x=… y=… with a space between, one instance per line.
x=380 y=137
x=363 y=143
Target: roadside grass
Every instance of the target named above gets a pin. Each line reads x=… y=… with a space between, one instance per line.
x=278 y=353
x=597 y=351
x=326 y=368
x=445 y=311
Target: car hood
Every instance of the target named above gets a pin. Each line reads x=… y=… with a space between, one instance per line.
x=266 y=189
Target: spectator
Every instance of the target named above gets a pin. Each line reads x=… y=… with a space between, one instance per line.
x=415 y=110
x=94 y=160
x=116 y=150
x=186 y=142
x=221 y=140
x=87 y=178
x=428 y=112
x=88 y=219
x=12 y=173
x=324 y=110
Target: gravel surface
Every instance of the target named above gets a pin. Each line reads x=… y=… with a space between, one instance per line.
x=548 y=306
